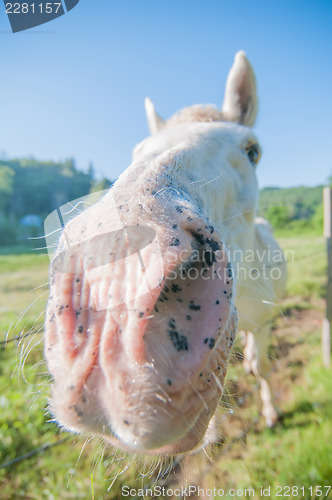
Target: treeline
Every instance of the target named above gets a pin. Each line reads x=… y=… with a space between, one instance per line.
x=31 y=187
x=297 y=208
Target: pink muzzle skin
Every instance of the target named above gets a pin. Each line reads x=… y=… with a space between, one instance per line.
x=140 y=324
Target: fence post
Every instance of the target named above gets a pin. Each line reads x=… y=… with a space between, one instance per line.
x=326 y=332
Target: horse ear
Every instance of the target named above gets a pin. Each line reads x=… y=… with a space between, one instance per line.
x=155 y=122
x=240 y=101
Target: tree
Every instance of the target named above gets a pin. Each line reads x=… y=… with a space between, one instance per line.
x=91 y=172
x=278 y=216
x=7 y=175
x=101 y=185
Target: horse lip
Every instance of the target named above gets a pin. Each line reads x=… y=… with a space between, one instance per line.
x=194 y=410
x=198 y=411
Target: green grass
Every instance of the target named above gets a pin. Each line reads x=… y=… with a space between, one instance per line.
x=26 y=249
x=297 y=452
x=307 y=265
x=21 y=274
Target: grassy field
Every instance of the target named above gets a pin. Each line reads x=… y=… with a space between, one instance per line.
x=297 y=453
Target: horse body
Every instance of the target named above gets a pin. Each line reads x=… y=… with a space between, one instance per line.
x=146 y=283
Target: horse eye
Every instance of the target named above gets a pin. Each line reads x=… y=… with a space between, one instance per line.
x=254 y=154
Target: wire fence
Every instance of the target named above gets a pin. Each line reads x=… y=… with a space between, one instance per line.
x=32 y=453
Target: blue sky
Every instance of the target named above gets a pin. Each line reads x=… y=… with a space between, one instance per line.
x=75 y=87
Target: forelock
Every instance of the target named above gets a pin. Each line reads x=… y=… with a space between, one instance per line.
x=197 y=113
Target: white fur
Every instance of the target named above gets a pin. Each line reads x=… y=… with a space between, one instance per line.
x=225 y=186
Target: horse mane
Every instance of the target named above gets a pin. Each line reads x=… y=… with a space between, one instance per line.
x=197 y=113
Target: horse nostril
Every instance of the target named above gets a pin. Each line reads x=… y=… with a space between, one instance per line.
x=199 y=238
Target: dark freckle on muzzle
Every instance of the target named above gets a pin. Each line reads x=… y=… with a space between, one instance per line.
x=172 y=323
x=210 y=342
x=179 y=341
x=175 y=242
x=194 y=307
x=78 y=411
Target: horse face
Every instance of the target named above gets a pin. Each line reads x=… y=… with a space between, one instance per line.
x=212 y=163
x=141 y=316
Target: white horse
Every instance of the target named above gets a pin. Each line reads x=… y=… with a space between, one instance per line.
x=147 y=284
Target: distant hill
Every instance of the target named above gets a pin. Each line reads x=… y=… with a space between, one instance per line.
x=291 y=207
x=301 y=202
